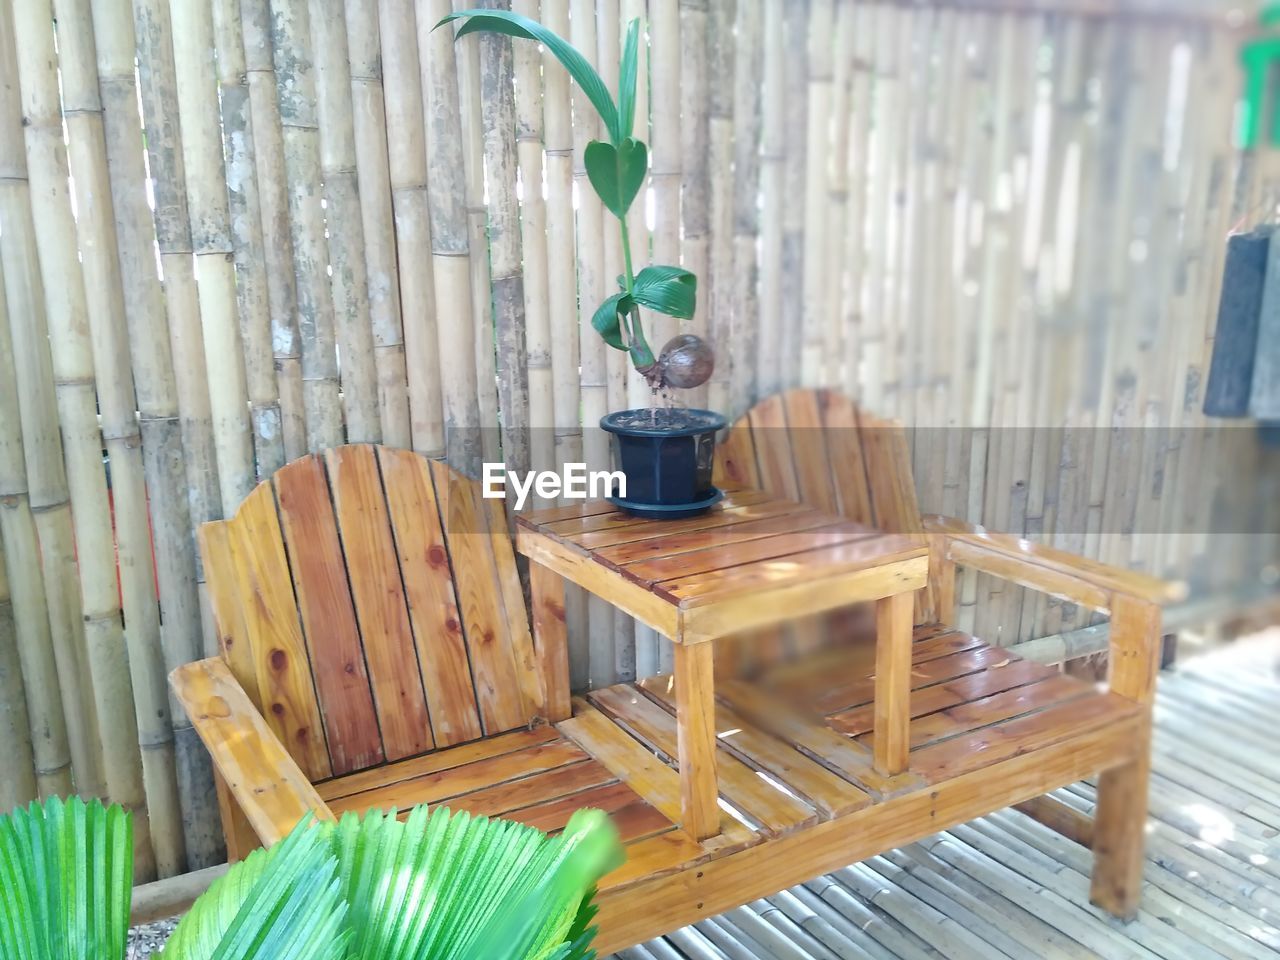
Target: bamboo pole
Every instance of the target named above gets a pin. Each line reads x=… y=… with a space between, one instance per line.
x=695 y=163
x=156 y=391
x=533 y=243
x=855 y=252
x=746 y=183
x=211 y=244
x=273 y=209
x=467 y=53
x=718 y=284
x=407 y=167
x=374 y=183
x=836 y=170
x=818 y=153
x=296 y=92
x=639 y=393
x=450 y=243
x=252 y=297
x=30 y=700
x=562 y=295
x=344 y=221
x=109 y=341
x=593 y=368
x=562 y=299
x=666 y=99
x=18 y=786
x=618 y=367
x=73 y=367
x=796 y=88
x=506 y=251
x=42 y=450
x=158 y=94
x=769 y=337
x=617 y=363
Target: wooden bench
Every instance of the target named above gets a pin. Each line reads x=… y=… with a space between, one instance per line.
x=376 y=652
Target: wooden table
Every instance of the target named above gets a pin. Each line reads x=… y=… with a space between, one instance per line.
x=751 y=562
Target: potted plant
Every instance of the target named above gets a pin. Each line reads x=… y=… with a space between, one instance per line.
x=664 y=453
x=438 y=884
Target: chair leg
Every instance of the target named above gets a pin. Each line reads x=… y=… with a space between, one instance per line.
x=1119 y=836
x=241 y=840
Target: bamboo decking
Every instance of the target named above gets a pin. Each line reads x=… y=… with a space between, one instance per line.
x=1005 y=886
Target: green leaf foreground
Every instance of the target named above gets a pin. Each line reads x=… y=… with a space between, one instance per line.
x=440 y=885
x=610 y=318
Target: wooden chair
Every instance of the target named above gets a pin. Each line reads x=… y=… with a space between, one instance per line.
x=818 y=447
x=376 y=652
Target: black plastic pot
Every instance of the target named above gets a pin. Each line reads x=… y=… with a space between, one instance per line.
x=666 y=457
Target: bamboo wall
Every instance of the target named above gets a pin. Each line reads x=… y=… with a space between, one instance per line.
x=232 y=231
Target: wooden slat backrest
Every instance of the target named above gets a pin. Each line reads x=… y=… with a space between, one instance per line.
x=367 y=600
x=816 y=446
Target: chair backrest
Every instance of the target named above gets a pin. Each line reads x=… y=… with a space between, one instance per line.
x=367 y=599
x=817 y=447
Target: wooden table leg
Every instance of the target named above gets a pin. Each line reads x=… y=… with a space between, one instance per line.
x=550 y=640
x=892 y=712
x=696 y=739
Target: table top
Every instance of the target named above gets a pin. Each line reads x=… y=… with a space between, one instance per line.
x=751 y=560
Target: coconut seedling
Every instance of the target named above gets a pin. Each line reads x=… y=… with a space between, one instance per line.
x=616 y=168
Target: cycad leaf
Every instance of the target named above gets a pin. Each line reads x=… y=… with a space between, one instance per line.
x=515 y=25
x=669 y=290
x=608 y=320
x=627 y=69
x=617 y=173
x=453 y=887
x=66 y=872
x=282 y=903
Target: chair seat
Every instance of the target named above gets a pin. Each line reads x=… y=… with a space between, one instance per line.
x=536 y=777
x=795 y=744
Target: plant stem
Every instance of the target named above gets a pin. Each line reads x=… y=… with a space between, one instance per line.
x=641 y=353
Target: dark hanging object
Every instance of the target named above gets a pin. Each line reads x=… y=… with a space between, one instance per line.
x=1246 y=290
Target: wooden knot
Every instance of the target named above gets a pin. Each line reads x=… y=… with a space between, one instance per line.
x=218 y=707
x=279 y=660
x=436 y=556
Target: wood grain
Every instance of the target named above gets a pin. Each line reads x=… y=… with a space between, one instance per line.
x=272 y=790
x=482 y=601
x=286 y=688
x=333 y=640
x=893 y=684
x=374 y=571
x=696 y=741
x=427 y=572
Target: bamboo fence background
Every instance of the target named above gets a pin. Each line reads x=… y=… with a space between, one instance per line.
x=1000 y=222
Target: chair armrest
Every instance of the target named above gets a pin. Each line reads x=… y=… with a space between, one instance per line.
x=1088 y=582
x=269 y=786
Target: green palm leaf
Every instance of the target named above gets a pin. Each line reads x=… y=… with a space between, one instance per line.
x=282 y=903
x=515 y=25
x=452 y=887
x=66 y=872
x=627 y=69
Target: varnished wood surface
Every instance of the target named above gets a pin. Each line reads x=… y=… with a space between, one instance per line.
x=368 y=602
x=272 y=791
x=1007 y=886
x=1102 y=577
x=743 y=564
